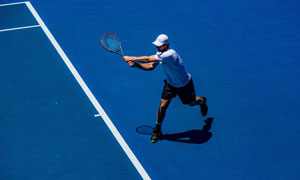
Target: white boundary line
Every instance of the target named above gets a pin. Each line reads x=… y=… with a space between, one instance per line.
x=92 y=98
x=13 y=3
x=18 y=28
x=97 y=115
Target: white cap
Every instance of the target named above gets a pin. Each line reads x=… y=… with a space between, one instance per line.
x=161 y=39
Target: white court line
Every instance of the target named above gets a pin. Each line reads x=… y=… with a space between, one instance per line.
x=90 y=95
x=13 y=3
x=18 y=28
x=97 y=115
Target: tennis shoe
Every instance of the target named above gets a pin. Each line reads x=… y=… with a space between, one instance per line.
x=156 y=135
x=203 y=106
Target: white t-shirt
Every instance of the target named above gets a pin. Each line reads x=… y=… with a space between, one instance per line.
x=174 y=69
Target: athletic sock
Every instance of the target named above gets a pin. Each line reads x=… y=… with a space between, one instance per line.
x=158 y=125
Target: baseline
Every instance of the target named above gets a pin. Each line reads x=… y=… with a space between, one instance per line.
x=19 y=28
x=9 y=4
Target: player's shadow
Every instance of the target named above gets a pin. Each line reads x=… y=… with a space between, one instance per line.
x=192 y=136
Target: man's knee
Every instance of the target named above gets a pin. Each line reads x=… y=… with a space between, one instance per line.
x=195 y=102
x=164 y=105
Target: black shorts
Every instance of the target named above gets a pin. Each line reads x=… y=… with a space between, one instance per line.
x=186 y=93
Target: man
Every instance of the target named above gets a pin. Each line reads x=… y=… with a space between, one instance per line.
x=179 y=81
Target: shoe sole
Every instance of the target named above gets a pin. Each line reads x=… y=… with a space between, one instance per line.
x=155 y=140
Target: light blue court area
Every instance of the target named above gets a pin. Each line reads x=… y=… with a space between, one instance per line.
x=47 y=124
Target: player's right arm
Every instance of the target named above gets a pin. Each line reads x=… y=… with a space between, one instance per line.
x=141 y=59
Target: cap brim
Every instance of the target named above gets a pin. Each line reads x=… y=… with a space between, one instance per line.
x=156 y=43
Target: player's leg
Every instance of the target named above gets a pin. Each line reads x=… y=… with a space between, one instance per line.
x=202 y=102
x=188 y=96
x=160 y=117
x=198 y=101
x=203 y=105
x=168 y=93
x=162 y=111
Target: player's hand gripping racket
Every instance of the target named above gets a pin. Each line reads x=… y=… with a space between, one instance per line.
x=112 y=43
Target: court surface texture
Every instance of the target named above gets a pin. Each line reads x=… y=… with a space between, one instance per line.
x=69 y=109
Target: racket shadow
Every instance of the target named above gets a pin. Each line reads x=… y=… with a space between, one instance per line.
x=192 y=136
x=144 y=129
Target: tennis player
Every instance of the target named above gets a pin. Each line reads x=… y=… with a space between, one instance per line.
x=178 y=80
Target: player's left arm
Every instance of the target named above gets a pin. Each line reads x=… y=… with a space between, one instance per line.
x=145 y=66
x=141 y=59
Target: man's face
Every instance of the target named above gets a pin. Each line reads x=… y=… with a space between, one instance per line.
x=162 y=48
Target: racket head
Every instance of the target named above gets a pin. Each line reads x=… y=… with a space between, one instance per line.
x=145 y=129
x=112 y=43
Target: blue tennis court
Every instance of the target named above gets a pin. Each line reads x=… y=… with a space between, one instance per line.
x=70 y=109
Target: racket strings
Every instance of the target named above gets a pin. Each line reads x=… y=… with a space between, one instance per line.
x=111 y=43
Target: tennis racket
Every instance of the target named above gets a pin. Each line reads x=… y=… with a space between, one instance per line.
x=112 y=43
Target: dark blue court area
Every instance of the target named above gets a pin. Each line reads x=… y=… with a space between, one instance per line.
x=69 y=109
